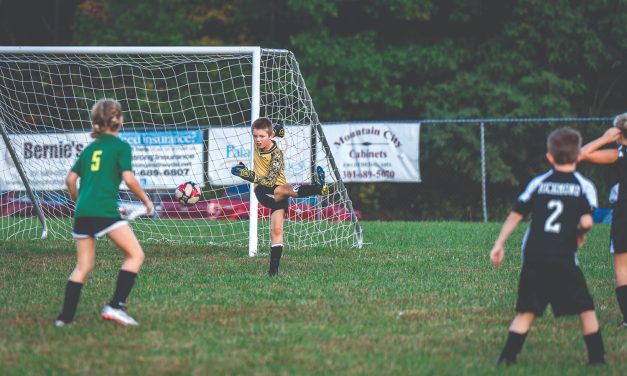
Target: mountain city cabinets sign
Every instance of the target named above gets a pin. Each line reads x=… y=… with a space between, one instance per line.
x=160 y=159
x=375 y=152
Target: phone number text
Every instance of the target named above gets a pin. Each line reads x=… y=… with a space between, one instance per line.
x=367 y=174
x=168 y=172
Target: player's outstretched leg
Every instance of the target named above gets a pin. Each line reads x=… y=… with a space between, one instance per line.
x=319 y=187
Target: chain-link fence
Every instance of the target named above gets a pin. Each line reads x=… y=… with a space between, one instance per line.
x=473 y=169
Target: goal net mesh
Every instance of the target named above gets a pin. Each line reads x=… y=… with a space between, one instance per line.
x=187 y=118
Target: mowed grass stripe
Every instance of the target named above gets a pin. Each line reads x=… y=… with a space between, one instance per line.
x=419 y=298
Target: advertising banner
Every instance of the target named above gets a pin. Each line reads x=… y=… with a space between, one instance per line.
x=166 y=159
x=45 y=158
x=160 y=159
x=375 y=152
x=230 y=145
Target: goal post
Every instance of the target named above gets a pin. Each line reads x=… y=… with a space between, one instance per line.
x=187 y=113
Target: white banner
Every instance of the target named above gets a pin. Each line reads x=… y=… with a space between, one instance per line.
x=375 y=152
x=230 y=145
x=166 y=159
x=160 y=159
x=45 y=158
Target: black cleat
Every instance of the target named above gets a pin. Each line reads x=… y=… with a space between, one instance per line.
x=597 y=363
x=274 y=269
x=503 y=360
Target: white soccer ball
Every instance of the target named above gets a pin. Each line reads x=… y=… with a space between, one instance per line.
x=187 y=193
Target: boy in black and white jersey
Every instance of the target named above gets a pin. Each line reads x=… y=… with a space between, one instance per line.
x=560 y=203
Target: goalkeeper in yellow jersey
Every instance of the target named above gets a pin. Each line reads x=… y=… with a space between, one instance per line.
x=271 y=189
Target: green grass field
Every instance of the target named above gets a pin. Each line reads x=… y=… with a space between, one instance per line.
x=332 y=311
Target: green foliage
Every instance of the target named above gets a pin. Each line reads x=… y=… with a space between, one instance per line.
x=407 y=59
x=118 y=22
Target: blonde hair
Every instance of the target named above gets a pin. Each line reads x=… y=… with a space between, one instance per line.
x=620 y=122
x=106 y=114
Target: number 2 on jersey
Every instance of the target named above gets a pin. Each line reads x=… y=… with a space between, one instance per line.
x=551 y=224
x=95 y=160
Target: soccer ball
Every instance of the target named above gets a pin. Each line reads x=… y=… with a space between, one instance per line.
x=187 y=193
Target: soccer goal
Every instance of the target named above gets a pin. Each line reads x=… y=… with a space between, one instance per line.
x=187 y=115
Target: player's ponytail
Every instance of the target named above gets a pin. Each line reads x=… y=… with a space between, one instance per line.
x=620 y=122
x=106 y=115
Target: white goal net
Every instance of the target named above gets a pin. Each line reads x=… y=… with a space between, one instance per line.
x=187 y=115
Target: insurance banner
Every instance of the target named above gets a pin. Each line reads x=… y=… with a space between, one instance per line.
x=160 y=159
x=375 y=152
x=165 y=159
x=228 y=146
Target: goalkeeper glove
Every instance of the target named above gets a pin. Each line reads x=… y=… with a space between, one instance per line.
x=243 y=172
x=279 y=129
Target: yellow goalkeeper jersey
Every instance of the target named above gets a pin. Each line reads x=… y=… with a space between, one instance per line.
x=269 y=167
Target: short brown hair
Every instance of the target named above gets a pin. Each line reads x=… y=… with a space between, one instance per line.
x=620 y=122
x=106 y=114
x=263 y=123
x=564 y=145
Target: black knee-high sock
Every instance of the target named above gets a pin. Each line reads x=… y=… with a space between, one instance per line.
x=621 y=296
x=513 y=346
x=125 y=283
x=276 y=250
x=594 y=344
x=70 y=302
x=307 y=190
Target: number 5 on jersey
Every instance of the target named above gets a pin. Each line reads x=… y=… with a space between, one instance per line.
x=95 y=160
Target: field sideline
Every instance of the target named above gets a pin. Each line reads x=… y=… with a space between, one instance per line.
x=419 y=298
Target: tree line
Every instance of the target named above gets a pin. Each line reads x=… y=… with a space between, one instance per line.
x=416 y=59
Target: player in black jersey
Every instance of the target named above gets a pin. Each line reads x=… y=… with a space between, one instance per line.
x=618 y=234
x=560 y=203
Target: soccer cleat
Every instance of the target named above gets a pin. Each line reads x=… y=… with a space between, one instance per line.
x=324 y=188
x=320 y=176
x=503 y=360
x=60 y=323
x=598 y=363
x=118 y=315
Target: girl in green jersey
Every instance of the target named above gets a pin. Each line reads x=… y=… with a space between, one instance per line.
x=101 y=167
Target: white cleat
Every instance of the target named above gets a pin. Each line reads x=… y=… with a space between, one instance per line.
x=59 y=323
x=118 y=315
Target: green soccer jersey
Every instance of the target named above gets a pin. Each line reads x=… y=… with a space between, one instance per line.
x=100 y=168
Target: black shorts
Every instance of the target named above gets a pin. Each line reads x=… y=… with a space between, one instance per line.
x=618 y=231
x=95 y=227
x=265 y=195
x=559 y=283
